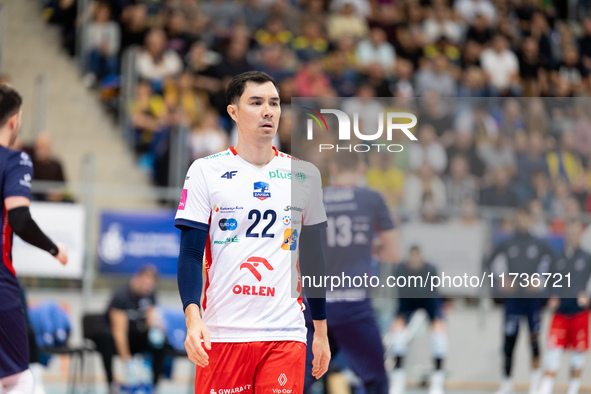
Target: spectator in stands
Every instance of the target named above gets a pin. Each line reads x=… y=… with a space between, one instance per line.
x=274 y=33
x=207 y=137
x=375 y=76
x=441 y=24
x=134 y=25
x=539 y=224
x=47 y=168
x=532 y=160
x=435 y=77
x=470 y=56
x=65 y=13
x=541 y=190
x=473 y=83
x=533 y=68
x=222 y=15
x=424 y=190
x=177 y=32
x=498 y=153
x=133 y=324
x=500 y=193
x=102 y=39
x=149 y=118
x=254 y=14
x=571 y=69
x=469 y=9
x=346 y=22
x=277 y=61
x=184 y=102
x=311 y=43
x=584 y=43
x=408 y=45
x=502 y=67
x=480 y=31
x=565 y=162
x=428 y=150
x=459 y=185
x=375 y=49
x=155 y=62
x=311 y=80
x=463 y=144
x=343 y=76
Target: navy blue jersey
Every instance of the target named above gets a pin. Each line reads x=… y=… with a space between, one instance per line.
x=354 y=215
x=16 y=174
x=521 y=253
x=578 y=264
x=417 y=282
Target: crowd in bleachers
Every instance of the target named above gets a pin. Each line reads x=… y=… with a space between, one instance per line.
x=504 y=156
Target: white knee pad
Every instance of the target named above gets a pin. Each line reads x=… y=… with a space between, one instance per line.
x=439 y=344
x=399 y=342
x=20 y=383
x=552 y=359
x=577 y=360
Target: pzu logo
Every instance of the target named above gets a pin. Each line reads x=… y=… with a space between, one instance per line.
x=229 y=174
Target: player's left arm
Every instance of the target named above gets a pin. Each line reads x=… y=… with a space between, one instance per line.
x=17 y=191
x=313 y=265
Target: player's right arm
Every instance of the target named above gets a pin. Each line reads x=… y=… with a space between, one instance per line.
x=192 y=219
x=17 y=193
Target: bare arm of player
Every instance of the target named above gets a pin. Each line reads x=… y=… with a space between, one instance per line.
x=320 y=349
x=119 y=330
x=18 y=202
x=197 y=336
x=390 y=250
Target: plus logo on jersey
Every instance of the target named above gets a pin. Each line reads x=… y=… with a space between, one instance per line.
x=229 y=174
x=290 y=239
x=261 y=190
x=253 y=262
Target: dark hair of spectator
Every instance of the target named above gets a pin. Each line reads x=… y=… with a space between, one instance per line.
x=10 y=103
x=238 y=83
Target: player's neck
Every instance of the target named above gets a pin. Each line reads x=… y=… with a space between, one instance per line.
x=257 y=155
x=5 y=138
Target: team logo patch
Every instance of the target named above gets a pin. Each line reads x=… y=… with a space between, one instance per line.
x=290 y=239
x=261 y=190
x=183 y=201
x=300 y=177
x=286 y=220
x=228 y=224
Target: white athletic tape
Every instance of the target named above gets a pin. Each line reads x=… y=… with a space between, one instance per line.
x=577 y=360
x=439 y=344
x=552 y=359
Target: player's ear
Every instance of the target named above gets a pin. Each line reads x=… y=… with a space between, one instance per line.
x=13 y=121
x=233 y=111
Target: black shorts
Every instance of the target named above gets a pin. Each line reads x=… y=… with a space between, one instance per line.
x=408 y=306
x=14 y=344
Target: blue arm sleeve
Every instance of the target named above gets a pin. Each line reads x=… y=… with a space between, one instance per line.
x=190 y=265
x=312 y=264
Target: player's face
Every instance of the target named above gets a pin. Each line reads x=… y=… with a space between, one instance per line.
x=257 y=112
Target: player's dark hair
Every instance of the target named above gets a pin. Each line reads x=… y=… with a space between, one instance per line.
x=346 y=161
x=10 y=103
x=415 y=248
x=238 y=83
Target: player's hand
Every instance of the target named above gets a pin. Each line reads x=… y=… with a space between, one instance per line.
x=197 y=337
x=62 y=253
x=320 y=349
x=553 y=302
x=583 y=300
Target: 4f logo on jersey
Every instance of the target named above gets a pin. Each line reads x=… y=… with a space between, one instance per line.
x=290 y=239
x=253 y=262
x=229 y=174
x=261 y=190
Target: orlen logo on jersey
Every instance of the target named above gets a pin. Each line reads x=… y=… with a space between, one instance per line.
x=345 y=130
x=290 y=239
x=228 y=224
x=261 y=190
x=183 y=201
x=252 y=264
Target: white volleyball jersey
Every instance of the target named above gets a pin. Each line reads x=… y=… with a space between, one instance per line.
x=254 y=221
